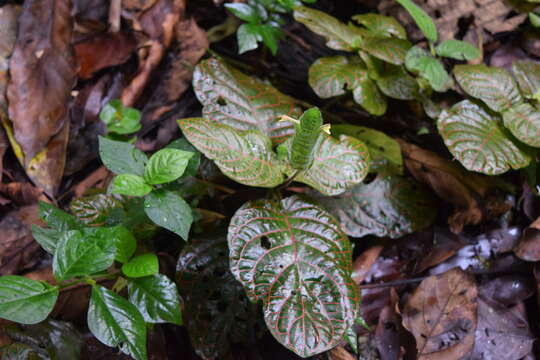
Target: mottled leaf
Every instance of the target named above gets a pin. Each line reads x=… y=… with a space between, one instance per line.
x=232 y=98
x=293 y=256
x=167 y=209
x=479 y=141
x=381 y=26
x=457 y=49
x=398 y=84
x=334 y=75
x=391 y=50
x=389 y=206
x=494 y=86
x=523 y=121
x=95 y=209
x=244 y=156
x=527 y=74
x=368 y=95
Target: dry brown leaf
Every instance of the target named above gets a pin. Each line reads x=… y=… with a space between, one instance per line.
x=364 y=262
x=441 y=314
x=4 y=144
x=22 y=193
x=339 y=353
x=528 y=247
x=467 y=191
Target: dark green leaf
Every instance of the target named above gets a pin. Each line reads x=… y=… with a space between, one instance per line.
x=56 y=218
x=389 y=206
x=391 y=50
x=523 y=121
x=166 y=165
x=121 y=237
x=368 y=95
x=293 y=256
x=527 y=74
x=142 y=265
x=120 y=119
x=244 y=11
x=422 y=19
x=494 y=86
x=129 y=184
x=194 y=161
x=332 y=76
x=157 y=299
x=479 y=141
x=398 y=84
x=270 y=36
x=77 y=254
x=419 y=61
x=121 y=157
x=244 y=156
x=231 y=98
x=248 y=36
x=459 y=50
x=381 y=26
x=24 y=300
x=167 y=209
x=47 y=238
x=116 y=322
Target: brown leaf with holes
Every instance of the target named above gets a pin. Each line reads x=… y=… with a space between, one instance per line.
x=528 y=247
x=441 y=314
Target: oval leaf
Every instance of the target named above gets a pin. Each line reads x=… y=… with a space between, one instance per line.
x=421 y=18
x=333 y=75
x=166 y=165
x=121 y=157
x=459 y=50
x=430 y=68
x=24 y=300
x=398 y=84
x=157 y=299
x=381 y=26
x=129 y=184
x=167 y=209
x=244 y=156
x=232 y=98
x=523 y=121
x=116 y=322
x=527 y=74
x=479 y=141
x=367 y=94
x=95 y=209
x=142 y=265
x=391 y=50
x=494 y=86
x=293 y=256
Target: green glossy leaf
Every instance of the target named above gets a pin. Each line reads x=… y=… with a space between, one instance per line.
x=25 y=300
x=479 y=141
x=494 y=86
x=381 y=26
x=457 y=49
x=385 y=152
x=194 y=161
x=96 y=209
x=121 y=157
x=333 y=75
x=391 y=50
x=338 y=35
x=422 y=19
x=294 y=257
x=78 y=253
x=142 y=265
x=47 y=238
x=523 y=121
x=244 y=11
x=120 y=119
x=167 y=209
x=157 y=299
x=129 y=184
x=389 y=206
x=398 y=84
x=430 y=68
x=270 y=36
x=367 y=95
x=248 y=37
x=244 y=156
x=166 y=165
x=527 y=74
x=123 y=240
x=57 y=219
x=337 y=164
x=231 y=98
x=217 y=312
x=116 y=322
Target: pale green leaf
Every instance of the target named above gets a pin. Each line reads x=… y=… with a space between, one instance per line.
x=166 y=165
x=381 y=26
x=523 y=121
x=428 y=67
x=457 y=49
x=248 y=37
x=367 y=94
x=332 y=76
x=527 y=74
x=391 y=50
x=141 y=265
x=422 y=19
x=129 y=184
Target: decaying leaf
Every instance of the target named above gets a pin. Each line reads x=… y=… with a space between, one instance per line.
x=529 y=246
x=442 y=315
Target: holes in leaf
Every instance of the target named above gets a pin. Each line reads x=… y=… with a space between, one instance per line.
x=221 y=101
x=265 y=242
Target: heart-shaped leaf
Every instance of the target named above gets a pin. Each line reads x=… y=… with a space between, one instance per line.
x=527 y=74
x=368 y=95
x=523 y=120
x=232 y=98
x=142 y=265
x=166 y=165
x=333 y=75
x=381 y=26
x=479 y=141
x=398 y=84
x=116 y=322
x=494 y=86
x=391 y=50
x=338 y=35
x=337 y=164
x=389 y=206
x=293 y=256
x=130 y=184
x=457 y=49
x=25 y=300
x=245 y=156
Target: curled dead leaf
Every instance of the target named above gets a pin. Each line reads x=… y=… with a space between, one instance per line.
x=528 y=247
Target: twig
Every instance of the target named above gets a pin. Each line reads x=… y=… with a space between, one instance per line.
x=392 y=283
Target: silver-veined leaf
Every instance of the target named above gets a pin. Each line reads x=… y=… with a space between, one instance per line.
x=523 y=121
x=333 y=75
x=457 y=49
x=527 y=74
x=367 y=94
x=381 y=26
x=391 y=50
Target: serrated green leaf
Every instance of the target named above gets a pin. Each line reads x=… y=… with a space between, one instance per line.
x=24 y=300
x=293 y=256
x=167 y=209
x=398 y=84
x=157 y=299
x=430 y=68
x=391 y=50
x=523 y=121
x=457 y=49
x=244 y=11
x=166 y=165
x=121 y=157
x=527 y=74
x=385 y=152
x=494 y=86
x=333 y=75
x=381 y=26
x=232 y=98
x=422 y=19
x=479 y=141
x=248 y=37
x=338 y=35
x=389 y=206
x=129 y=184
x=116 y=322
x=120 y=119
x=244 y=156
x=194 y=161
x=367 y=95
x=142 y=265
x=77 y=254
